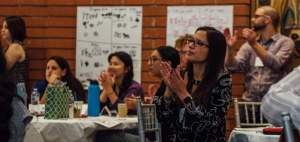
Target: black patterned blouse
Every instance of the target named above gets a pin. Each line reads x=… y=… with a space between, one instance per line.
x=19 y=71
x=199 y=123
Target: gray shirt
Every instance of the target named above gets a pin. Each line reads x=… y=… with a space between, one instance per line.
x=283 y=97
x=258 y=79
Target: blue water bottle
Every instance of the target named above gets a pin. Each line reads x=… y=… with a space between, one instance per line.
x=93 y=98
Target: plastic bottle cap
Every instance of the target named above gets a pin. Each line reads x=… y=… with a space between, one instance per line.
x=93 y=81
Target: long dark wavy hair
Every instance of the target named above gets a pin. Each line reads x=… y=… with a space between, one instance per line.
x=16 y=27
x=73 y=83
x=126 y=59
x=214 y=65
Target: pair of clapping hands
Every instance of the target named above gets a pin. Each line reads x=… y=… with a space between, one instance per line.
x=106 y=80
x=174 y=82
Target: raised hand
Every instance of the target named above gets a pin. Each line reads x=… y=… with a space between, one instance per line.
x=250 y=35
x=165 y=71
x=106 y=80
x=53 y=77
x=230 y=39
x=178 y=84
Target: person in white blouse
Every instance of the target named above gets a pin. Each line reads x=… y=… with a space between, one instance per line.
x=283 y=96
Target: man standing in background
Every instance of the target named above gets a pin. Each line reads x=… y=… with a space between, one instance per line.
x=265 y=59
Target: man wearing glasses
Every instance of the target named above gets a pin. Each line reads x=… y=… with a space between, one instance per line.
x=264 y=59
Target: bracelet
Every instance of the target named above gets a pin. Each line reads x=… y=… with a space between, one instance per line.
x=110 y=93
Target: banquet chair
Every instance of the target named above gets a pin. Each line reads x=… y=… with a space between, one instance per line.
x=147 y=120
x=246 y=106
x=288 y=135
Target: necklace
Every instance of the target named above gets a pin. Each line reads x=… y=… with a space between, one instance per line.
x=196 y=82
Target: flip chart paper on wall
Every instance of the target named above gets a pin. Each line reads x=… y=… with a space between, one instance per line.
x=186 y=19
x=102 y=31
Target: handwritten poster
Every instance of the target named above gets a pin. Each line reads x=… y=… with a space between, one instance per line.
x=105 y=30
x=186 y=19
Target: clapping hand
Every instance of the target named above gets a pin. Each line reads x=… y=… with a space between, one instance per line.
x=131 y=102
x=173 y=80
x=230 y=39
x=106 y=80
x=250 y=35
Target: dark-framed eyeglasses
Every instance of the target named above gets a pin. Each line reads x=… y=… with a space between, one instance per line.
x=259 y=15
x=196 y=42
x=152 y=60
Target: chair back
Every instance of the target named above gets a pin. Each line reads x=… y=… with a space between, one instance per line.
x=147 y=120
x=246 y=106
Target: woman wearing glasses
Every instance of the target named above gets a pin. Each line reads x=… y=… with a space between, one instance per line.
x=194 y=106
x=167 y=54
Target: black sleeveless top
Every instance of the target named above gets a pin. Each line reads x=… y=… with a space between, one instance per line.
x=19 y=71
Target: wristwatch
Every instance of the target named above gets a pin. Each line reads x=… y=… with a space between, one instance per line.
x=187 y=100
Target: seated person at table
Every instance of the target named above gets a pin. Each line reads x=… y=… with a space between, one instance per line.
x=283 y=97
x=163 y=53
x=14 y=115
x=58 y=69
x=118 y=83
x=195 y=106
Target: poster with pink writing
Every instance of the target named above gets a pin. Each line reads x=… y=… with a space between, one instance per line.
x=186 y=19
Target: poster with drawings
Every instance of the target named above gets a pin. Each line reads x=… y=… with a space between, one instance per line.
x=105 y=30
x=186 y=19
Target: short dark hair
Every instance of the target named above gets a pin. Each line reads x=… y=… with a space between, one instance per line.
x=126 y=59
x=16 y=27
x=169 y=53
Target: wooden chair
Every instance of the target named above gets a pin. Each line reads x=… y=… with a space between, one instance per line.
x=246 y=106
x=147 y=120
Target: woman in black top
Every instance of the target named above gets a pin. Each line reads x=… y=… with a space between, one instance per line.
x=194 y=106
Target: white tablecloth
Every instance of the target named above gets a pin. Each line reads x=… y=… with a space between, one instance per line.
x=74 y=130
x=251 y=135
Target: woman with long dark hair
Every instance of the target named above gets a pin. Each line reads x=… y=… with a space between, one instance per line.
x=58 y=69
x=194 y=106
x=163 y=53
